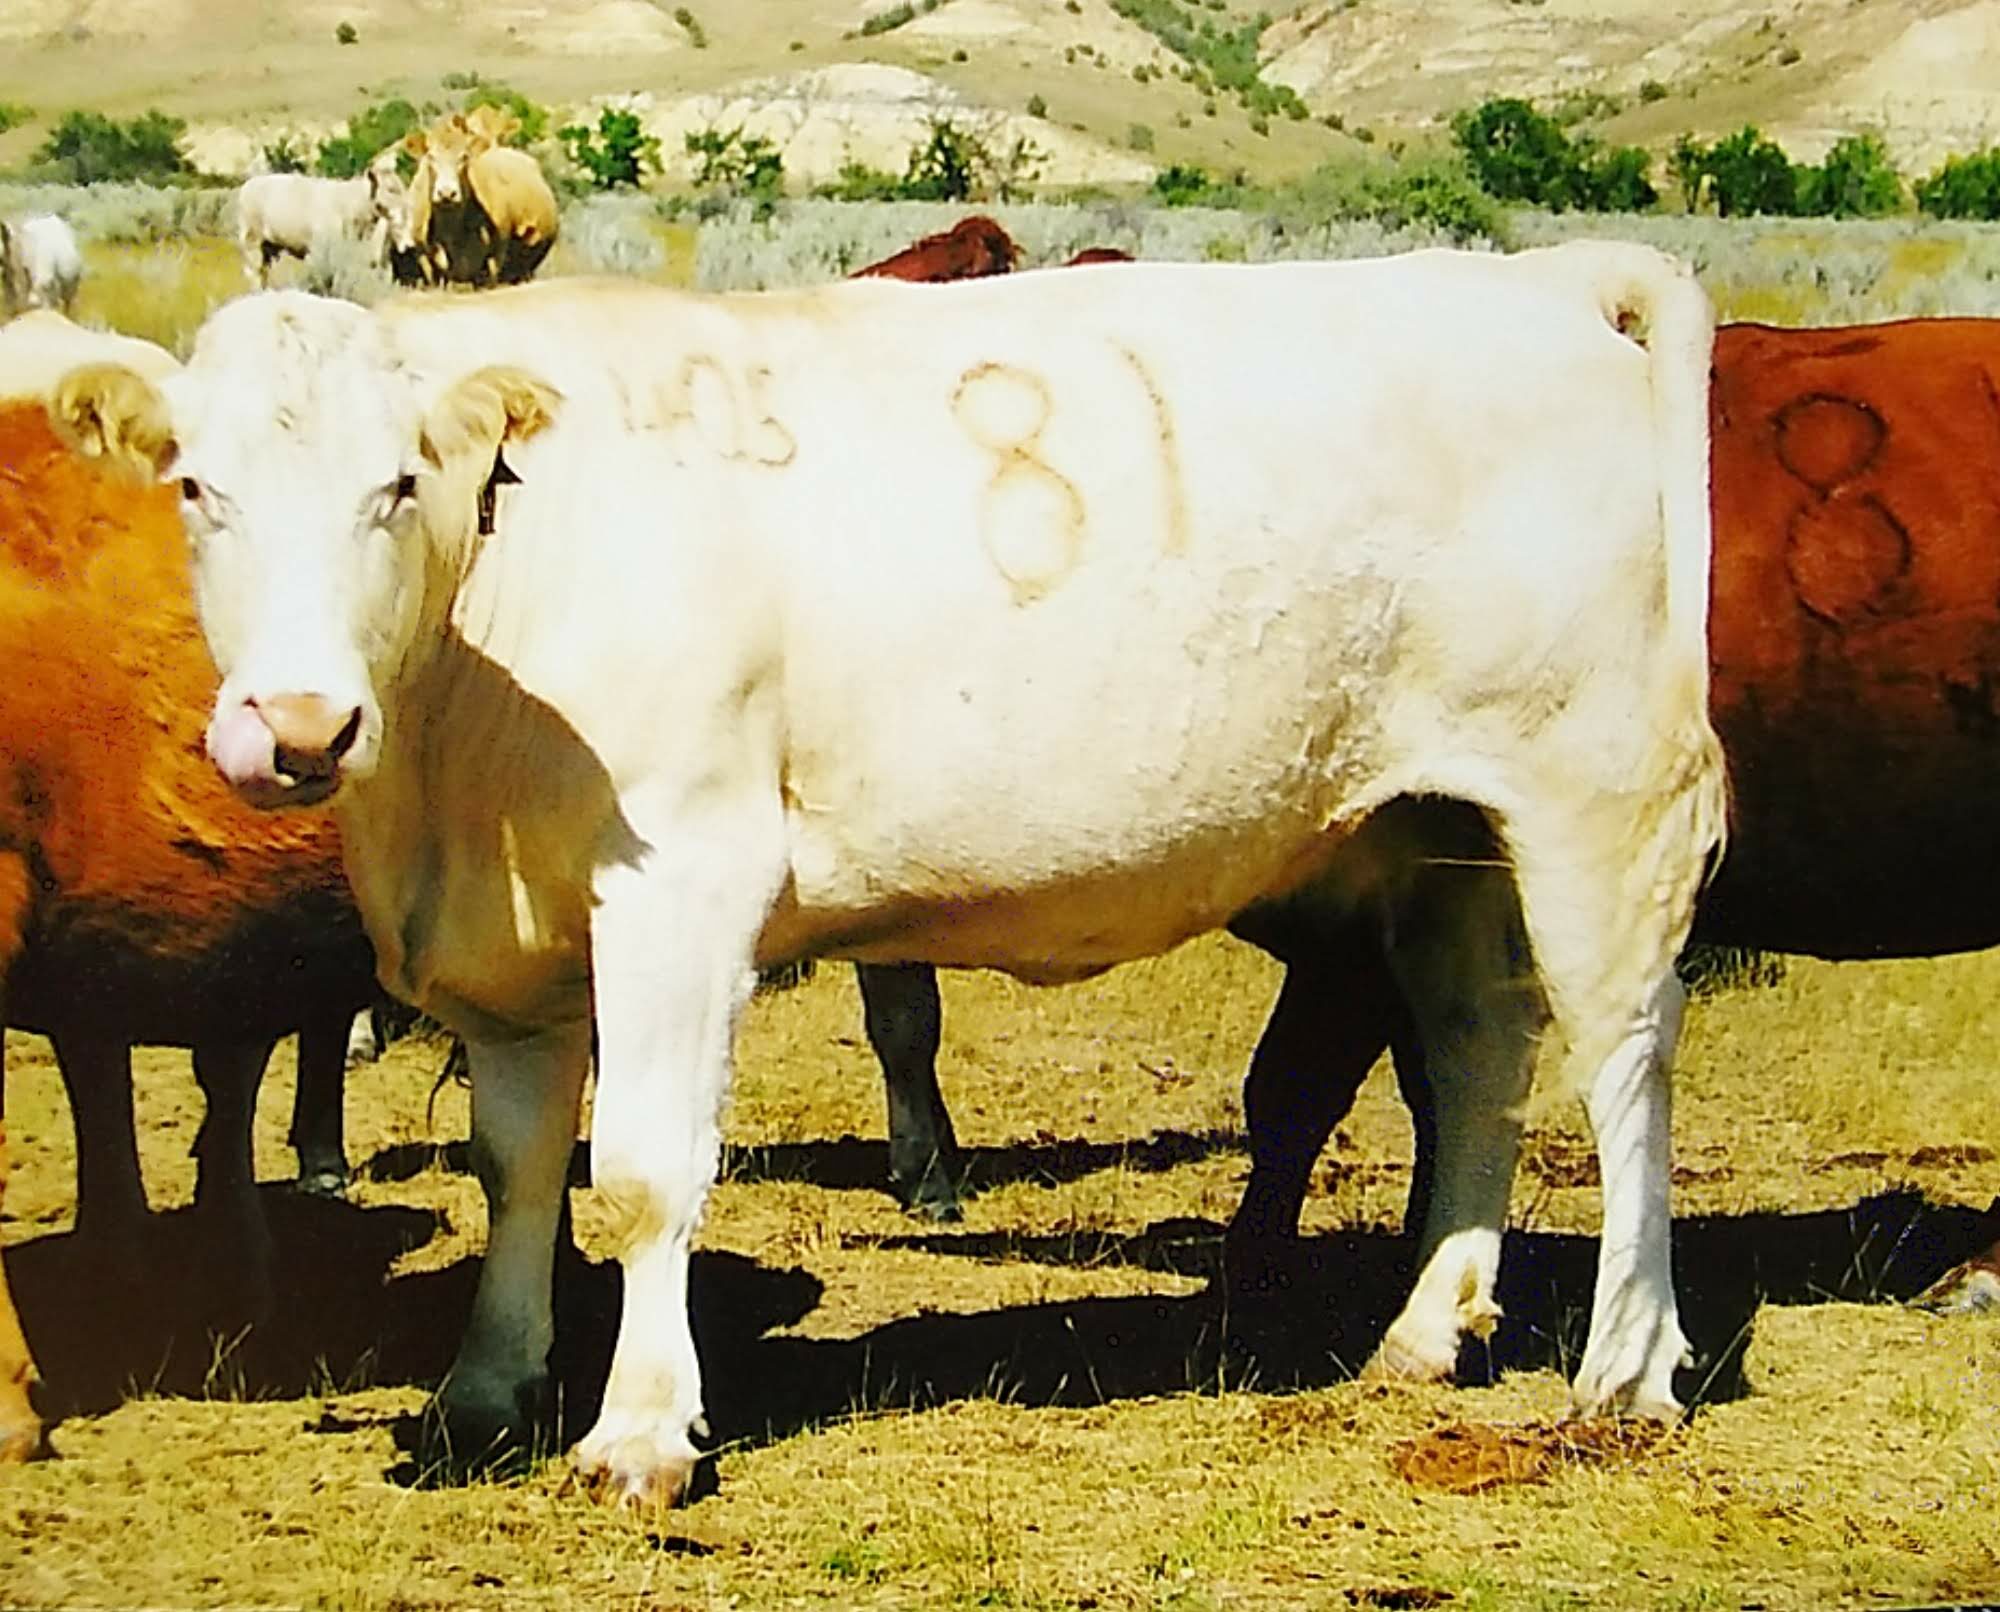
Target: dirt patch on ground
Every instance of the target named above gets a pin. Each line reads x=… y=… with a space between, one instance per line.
x=1471 y=1457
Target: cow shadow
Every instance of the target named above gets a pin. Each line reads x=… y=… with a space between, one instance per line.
x=104 y=1324
x=859 y=1164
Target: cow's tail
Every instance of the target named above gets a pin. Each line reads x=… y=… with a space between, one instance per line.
x=1672 y=822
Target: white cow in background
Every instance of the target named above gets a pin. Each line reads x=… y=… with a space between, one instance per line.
x=41 y=265
x=280 y=215
x=1040 y=623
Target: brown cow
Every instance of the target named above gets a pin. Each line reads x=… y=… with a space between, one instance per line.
x=140 y=900
x=970 y=250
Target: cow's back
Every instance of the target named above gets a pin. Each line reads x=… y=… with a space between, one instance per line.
x=161 y=903
x=1855 y=633
x=1152 y=568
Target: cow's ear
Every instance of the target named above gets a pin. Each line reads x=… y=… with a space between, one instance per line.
x=416 y=142
x=484 y=412
x=114 y=414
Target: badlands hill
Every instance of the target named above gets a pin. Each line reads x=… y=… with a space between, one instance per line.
x=1924 y=73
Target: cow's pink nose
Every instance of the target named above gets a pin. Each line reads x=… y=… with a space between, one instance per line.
x=311 y=733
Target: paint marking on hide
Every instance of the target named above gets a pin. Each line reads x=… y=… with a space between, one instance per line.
x=713 y=409
x=1173 y=482
x=1032 y=517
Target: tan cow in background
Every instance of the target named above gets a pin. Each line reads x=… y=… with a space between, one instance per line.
x=476 y=212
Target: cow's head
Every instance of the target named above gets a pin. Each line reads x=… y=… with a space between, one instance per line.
x=451 y=146
x=332 y=498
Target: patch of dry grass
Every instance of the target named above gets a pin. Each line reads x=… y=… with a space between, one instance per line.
x=1031 y=1409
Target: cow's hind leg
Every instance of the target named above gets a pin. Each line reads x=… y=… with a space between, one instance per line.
x=899 y=1005
x=1458 y=949
x=20 y=1427
x=1608 y=897
x=318 y=1133
x=1335 y=1012
x=672 y=943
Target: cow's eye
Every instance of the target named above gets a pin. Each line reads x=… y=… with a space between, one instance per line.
x=190 y=490
x=405 y=488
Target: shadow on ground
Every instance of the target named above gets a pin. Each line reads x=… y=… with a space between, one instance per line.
x=146 y=1316
x=855 y=1164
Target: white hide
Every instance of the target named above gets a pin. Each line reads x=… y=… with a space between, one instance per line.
x=41 y=265
x=1036 y=623
x=290 y=214
x=39 y=348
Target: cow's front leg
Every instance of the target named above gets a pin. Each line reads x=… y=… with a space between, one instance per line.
x=494 y=1404
x=672 y=940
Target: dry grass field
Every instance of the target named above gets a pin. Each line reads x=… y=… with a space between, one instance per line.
x=1045 y=1406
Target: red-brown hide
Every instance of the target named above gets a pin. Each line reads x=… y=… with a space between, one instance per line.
x=1855 y=637
x=970 y=250
x=140 y=901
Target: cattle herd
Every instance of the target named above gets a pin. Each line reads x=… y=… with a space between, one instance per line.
x=1413 y=618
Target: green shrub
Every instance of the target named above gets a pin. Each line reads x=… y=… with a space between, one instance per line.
x=533 y=118
x=1139 y=137
x=87 y=148
x=1227 y=55
x=857 y=182
x=690 y=26
x=729 y=162
x=460 y=79
x=1962 y=187
x=617 y=152
x=1857 y=180
x=1742 y=173
x=947 y=166
x=282 y=157
x=345 y=34
x=1652 y=90
x=1183 y=185
x=368 y=133
x=13 y=115
x=1037 y=107
x=883 y=21
x=1518 y=154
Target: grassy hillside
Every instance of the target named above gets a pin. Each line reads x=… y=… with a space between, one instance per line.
x=1388 y=69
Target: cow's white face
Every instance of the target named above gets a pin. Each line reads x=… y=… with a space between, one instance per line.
x=331 y=497
x=297 y=460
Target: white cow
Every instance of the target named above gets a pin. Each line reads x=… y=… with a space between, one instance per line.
x=40 y=264
x=280 y=214
x=1201 y=585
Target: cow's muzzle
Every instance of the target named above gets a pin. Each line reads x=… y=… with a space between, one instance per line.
x=283 y=749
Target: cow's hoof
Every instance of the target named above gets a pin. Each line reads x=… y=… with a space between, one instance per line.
x=21 y=1440
x=1630 y=1383
x=477 y=1427
x=1969 y=1289
x=931 y=1186
x=930 y=1199
x=323 y=1181
x=1410 y=1353
x=630 y=1464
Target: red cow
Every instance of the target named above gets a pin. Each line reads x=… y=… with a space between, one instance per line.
x=970 y=250
x=140 y=901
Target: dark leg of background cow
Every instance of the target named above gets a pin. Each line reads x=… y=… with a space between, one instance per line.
x=97 y=1075
x=318 y=1134
x=1338 y=1009
x=905 y=1023
x=225 y=1181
